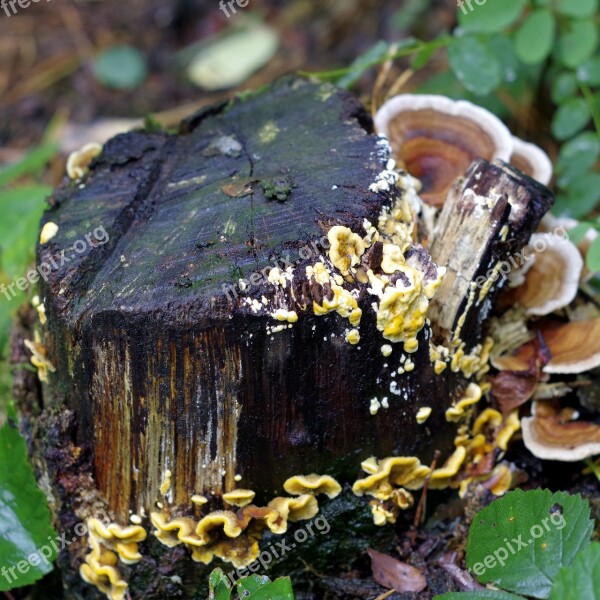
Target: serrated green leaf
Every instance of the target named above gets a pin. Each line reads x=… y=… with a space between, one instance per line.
x=248 y=585
x=577 y=43
x=489 y=17
x=564 y=86
x=577 y=8
x=535 y=39
x=25 y=526
x=120 y=68
x=479 y=595
x=589 y=71
x=520 y=541
x=280 y=589
x=581 y=580
x=475 y=65
x=592 y=258
x=570 y=118
x=219 y=586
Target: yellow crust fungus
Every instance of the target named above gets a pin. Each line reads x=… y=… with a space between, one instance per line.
x=239 y=497
x=49 y=230
x=38 y=358
x=457 y=411
x=353 y=337
x=312 y=484
x=285 y=315
x=165 y=486
x=78 y=162
x=346 y=248
x=423 y=414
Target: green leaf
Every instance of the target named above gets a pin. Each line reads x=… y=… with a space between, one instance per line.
x=570 y=118
x=580 y=581
x=490 y=16
x=475 y=65
x=577 y=8
x=579 y=232
x=373 y=56
x=535 y=39
x=520 y=541
x=577 y=44
x=503 y=49
x=25 y=527
x=34 y=161
x=581 y=197
x=219 y=587
x=404 y=18
x=248 y=585
x=589 y=71
x=280 y=589
x=479 y=595
x=564 y=87
x=577 y=157
x=593 y=256
x=120 y=68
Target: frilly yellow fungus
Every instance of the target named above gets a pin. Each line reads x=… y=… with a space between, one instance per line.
x=509 y=428
x=402 y=499
x=113 y=531
x=488 y=418
x=472 y=396
x=393 y=259
x=49 y=230
x=99 y=570
x=38 y=358
x=442 y=477
x=343 y=302
x=312 y=484
x=423 y=414
x=172 y=532
x=293 y=509
x=240 y=552
x=400 y=471
x=199 y=500
x=220 y=520
x=346 y=248
x=239 y=497
x=386 y=350
x=382 y=515
x=40 y=308
x=78 y=162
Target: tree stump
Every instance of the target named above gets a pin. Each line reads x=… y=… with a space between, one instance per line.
x=195 y=342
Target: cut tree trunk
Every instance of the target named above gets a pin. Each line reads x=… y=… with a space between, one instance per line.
x=164 y=361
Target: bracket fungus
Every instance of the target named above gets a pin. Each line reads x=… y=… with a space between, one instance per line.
x=551 y=280
x=79 y=162
x=531 y=159
x=436 y=139
x=574 y=346
x=552 y=434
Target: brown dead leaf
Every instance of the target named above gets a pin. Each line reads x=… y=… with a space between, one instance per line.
x=395 y=575
x=238 y=189
x=511 y=389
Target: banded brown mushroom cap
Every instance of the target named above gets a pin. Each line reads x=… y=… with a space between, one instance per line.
x=553 y=268
x=436 y=139
x=532 y=160
x=551 y=434
x=575 y=348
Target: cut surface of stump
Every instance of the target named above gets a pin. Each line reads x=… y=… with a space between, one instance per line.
x=244 y=319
